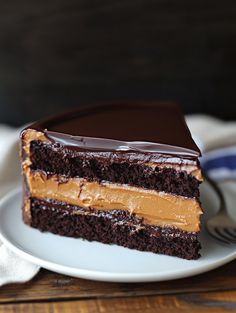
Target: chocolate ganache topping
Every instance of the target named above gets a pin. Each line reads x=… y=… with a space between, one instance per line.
x=150 y=127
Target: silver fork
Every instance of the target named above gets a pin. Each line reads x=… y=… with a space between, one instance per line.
x=221 y=226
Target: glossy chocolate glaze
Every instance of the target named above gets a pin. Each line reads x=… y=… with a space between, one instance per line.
x=149 y=128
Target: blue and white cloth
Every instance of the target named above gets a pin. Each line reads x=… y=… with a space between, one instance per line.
x=220 y=164
x=217 y=141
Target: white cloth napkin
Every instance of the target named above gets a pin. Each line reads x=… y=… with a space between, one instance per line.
x=218 y=141
x=209 y=132
x=13 y=269
x=212 y=132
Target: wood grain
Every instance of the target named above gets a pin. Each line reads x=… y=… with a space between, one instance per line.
x=216 y=302
x=48 y=286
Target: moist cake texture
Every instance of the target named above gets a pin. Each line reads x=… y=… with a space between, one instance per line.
x=125 y=174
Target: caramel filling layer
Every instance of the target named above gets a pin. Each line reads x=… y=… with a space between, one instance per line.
x=156 y=208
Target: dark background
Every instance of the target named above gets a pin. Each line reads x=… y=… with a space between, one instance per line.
x=59 y=54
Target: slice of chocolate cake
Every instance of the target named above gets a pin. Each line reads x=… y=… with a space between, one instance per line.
x=126 y=174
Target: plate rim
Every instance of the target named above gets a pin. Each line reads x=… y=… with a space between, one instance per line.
x=101 y=275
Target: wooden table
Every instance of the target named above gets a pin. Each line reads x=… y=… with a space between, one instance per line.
x=48 y=292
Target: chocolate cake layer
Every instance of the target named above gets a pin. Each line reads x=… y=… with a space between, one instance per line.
x=116 y=174
x=53 y=159
x=115 y=227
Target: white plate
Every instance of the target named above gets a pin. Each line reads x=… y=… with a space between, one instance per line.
x=93 y=260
